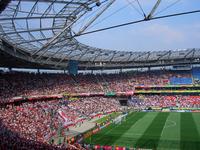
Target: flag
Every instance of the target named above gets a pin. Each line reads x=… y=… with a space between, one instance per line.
x=64 y=118
x=97 y=147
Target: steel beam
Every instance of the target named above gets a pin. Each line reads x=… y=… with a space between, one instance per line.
x=153 y=10
x=30 y=30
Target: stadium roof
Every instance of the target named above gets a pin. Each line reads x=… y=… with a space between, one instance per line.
x=39 y=34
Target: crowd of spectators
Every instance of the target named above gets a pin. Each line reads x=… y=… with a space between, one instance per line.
x=15 y=84
x=95 y=105
x=29 y=125
x=181 y=101
x=38 y=121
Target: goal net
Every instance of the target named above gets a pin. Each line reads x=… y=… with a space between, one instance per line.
x=119 y=119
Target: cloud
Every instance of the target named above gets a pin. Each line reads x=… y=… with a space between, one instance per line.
x=191 y=31
x=164 y=33
x=154 y=35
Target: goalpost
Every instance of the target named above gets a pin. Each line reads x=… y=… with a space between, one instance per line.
x=119 y=119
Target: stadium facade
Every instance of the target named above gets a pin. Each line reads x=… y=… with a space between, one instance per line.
x=27 y=42
x=62 y=111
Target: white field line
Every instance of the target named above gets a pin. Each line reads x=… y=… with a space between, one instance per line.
x=168 y=126
x=171 y=125
x=163 y=127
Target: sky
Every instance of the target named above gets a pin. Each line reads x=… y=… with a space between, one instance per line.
x=164 y=34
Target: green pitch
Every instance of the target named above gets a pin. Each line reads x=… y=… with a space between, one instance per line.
x=153 y=130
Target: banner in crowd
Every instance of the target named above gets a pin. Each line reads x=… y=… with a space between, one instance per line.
x=167 y=85
x=36 y=97
x=110 y=94
x=107 y=147
x=128 y=93
x=72 y=98
x=65 y=119
x=166 y=91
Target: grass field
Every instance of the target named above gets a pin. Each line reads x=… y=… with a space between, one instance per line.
x=153 y=130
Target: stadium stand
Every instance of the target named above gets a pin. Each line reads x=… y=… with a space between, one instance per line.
x=196 y=75
x=38 y=120
x=38 y=110
x=179 y=81
x=27 y=84
x=143 y=101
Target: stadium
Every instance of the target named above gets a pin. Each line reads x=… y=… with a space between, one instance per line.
x=56 y=92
